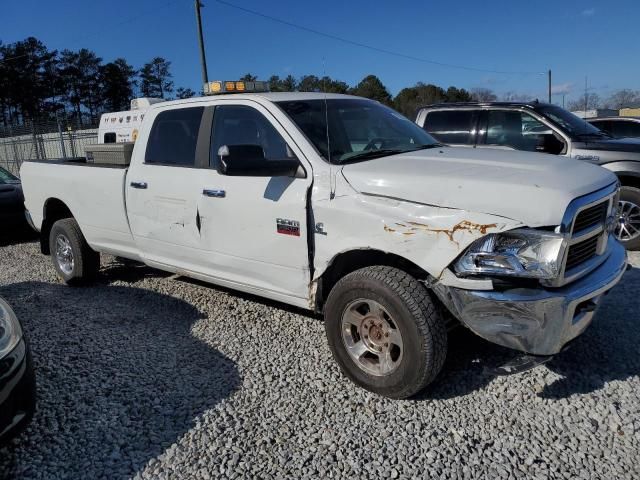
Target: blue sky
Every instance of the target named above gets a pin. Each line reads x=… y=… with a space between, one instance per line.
x=597 y=39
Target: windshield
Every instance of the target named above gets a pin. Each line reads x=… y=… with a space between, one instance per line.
x=358 y=129
x=6 y=177
x=570 y=123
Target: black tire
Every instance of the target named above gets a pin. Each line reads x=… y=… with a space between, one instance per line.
x=410 y=307
x=630 y=195
x=85 y=261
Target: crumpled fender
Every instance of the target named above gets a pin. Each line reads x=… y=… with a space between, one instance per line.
x=427 y=235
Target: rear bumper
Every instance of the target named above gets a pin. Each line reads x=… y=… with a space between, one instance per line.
x=29 y=220
x=17 y=391
x=536 y=320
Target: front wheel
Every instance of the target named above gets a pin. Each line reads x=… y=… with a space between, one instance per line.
x=74 y=260
x=628 y=221
x=385 y=332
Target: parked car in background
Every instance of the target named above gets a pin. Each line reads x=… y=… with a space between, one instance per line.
x=17 y=377
x=618 y=127
x=544 y=128
x=11 y=202
x=341 y=205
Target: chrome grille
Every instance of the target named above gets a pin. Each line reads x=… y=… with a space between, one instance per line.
x=581 y=252
x=585 y=228
x=591 y=217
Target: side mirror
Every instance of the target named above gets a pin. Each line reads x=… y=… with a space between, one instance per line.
x=250 y=161
x=548 y=143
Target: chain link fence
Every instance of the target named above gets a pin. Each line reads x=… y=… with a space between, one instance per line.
x=48 y=140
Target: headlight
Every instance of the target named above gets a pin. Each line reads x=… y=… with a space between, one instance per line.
x=518 y=253
x=10 y=331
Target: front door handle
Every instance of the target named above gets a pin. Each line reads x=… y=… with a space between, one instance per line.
x=214 y=193
x=141 y=185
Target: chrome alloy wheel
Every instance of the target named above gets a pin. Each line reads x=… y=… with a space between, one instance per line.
x=64 y=254
x=628 y=221
x=371 y=337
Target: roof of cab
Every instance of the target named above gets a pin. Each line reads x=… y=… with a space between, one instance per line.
x=597 y=119
x=532 y=104
x=269 y=96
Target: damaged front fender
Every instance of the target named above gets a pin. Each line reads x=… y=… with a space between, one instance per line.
x=429 y=236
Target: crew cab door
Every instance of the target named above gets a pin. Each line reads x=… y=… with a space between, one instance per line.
x=163 y=188
x=254 y=228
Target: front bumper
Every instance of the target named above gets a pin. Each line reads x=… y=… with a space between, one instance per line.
x=538 y=321
x=17 y=391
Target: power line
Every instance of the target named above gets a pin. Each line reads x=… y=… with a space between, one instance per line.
x=371 y=47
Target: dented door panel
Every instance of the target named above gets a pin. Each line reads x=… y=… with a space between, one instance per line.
x=163 y=215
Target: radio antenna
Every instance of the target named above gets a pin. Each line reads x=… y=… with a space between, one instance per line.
x=326 y=122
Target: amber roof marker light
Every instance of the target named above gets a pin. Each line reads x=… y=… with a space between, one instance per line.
x=219 y=87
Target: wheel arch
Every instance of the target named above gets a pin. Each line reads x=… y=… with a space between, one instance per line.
x=351 y=260
x=54 y=209
x=628 y=172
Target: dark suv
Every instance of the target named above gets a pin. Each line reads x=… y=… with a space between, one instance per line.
x=544 y=128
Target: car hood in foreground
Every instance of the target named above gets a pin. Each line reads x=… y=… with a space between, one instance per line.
x=532 y=188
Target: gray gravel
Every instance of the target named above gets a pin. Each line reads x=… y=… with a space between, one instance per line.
x=150 y=376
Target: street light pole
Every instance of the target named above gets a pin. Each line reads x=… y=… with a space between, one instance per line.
x=549 y=85
x=203 y=60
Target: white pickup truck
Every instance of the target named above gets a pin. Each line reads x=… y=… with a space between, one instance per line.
x=340 y=205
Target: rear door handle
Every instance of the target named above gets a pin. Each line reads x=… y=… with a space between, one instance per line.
x=141 y=185
x=214 y=193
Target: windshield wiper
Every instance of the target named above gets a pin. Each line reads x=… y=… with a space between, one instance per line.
x=368 y=154
x=383 y=152
x=424 y=147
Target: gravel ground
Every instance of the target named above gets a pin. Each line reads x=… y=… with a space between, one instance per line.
x=151 y=376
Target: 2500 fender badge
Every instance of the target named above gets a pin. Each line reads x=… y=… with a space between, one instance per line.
x=288 y=227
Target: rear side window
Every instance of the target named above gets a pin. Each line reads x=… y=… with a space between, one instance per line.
x=451 y=126
x=174 y=137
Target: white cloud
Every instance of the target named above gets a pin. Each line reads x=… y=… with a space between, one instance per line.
x=562 y=88
x=589 y=12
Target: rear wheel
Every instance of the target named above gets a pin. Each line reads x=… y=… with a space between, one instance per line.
x=385 y=332
x=74 y=260
x=628 y=221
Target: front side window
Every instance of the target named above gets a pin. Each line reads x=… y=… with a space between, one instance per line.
x=451 y=126
x=347 y=130
x=174 y=136
x=517 y=130
x=242 y=125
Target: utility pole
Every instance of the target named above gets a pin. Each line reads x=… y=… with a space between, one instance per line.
x=203 y=59
x=549 y=85
x=586 y=97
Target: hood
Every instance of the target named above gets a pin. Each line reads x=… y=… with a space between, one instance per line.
x=532 y=188
x=609 y=144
